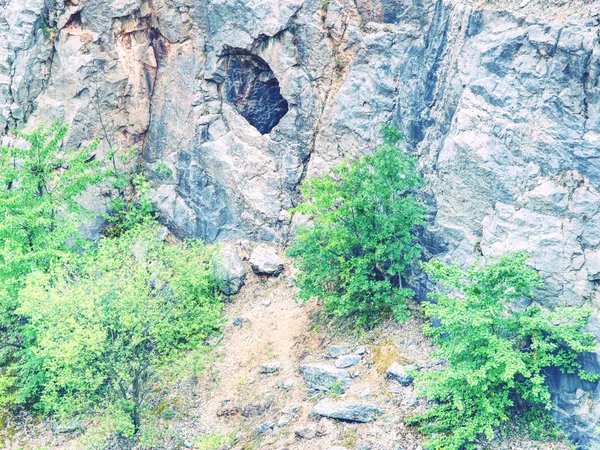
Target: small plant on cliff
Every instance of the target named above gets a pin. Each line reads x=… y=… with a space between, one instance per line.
x=131 y=205
x=497 y=356
x=362 y=238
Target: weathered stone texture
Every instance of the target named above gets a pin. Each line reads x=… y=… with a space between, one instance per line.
x=502 y=109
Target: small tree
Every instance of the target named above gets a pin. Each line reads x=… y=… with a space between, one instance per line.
x=38 y=223
x=496 y=355
x=362 y=238
x=106 y=323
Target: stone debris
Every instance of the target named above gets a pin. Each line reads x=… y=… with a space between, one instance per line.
x=400 y=373
x=266 y=261
x=336 y=351
x=343 y=362
x=264 y=427
x=352 y=412
x=323 y=377
x=230 y=270
x=306 y=432
x=269 y=367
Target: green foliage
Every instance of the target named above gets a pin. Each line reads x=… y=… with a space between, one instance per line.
x=107 y=323
x=211 y=441
x=362 y=237
x=38 y=223
x=497 y=355
x=131 y=206
x=336 y=389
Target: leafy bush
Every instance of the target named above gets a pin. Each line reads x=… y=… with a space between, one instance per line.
x=496 y=355
x=38 y=224
x=107 y=322
x=131 y=205
x=362 y=237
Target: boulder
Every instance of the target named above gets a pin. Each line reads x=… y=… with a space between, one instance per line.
x=230 y=270
x=323 y=377
x=352 y=412
x=400 y=373
x=266 y=261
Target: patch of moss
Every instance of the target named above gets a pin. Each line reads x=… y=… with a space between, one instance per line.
x=386 y=353
x=349 y=438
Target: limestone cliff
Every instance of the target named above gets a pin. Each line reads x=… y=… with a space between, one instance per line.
x=241 y=99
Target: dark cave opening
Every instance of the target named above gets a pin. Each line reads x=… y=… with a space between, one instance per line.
x=252 y=88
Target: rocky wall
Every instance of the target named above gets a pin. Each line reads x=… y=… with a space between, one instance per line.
x=241 y=99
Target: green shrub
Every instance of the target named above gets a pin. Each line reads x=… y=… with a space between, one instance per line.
x=107 y=322
x=39 y=221
x=362 y=237
x=497 y=355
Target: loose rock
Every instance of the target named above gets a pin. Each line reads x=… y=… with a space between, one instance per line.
x=305 y=432
x=353 y=412
x=263 y=428
x=230 y=271
x=323 y=377
x=361 y=350
x=266 y=261
x=255 y=409
x=346 y=361
x=400 y=374
x=338 y=350
x=270 y=367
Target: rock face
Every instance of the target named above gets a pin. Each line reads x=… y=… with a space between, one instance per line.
x=352 y=412
x=240 y=101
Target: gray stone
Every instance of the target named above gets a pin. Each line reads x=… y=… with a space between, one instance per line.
x=307 y=432
x=266 y=261
x=360 y=350
x=284 y=420
x=352 y=412
x=286 y=385
x=338 y=350
x=343 y=362
x=269 y=367
x=264 y=427
x=230 y=270
x=400 y=373
x=323 y=377
x=238 y=321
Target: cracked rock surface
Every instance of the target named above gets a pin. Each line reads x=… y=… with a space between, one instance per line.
x=500 y=101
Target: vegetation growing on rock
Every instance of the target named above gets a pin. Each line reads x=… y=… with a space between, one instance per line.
x=497 y=354
x=87 y=331
x=38 y=228
x=362 y=238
